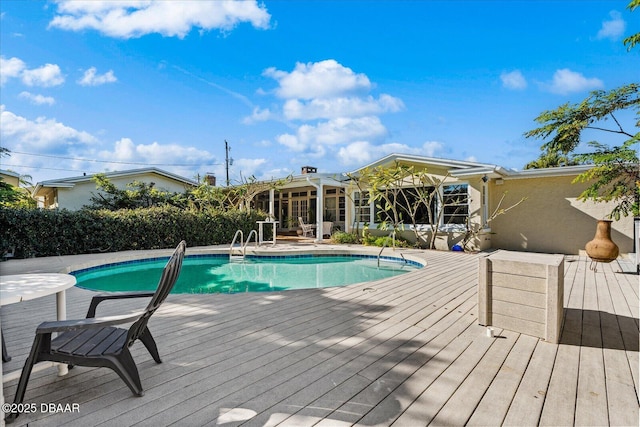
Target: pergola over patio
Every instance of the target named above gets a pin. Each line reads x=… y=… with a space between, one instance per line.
x=307 y=196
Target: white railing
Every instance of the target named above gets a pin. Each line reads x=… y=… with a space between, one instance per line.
x=384 y=245
x=235 y=237
x=253 y=233
x=243 y=243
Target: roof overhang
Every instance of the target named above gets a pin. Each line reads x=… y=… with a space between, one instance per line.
x=548 y=172
x=328 y=179
x=449 y=164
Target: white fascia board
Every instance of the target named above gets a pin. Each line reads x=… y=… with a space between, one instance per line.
x=447 y=163
x=548 y=172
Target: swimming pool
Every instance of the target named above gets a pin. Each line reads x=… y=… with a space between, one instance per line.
x=219 y=274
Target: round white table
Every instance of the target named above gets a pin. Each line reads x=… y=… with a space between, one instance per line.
x=23 y=287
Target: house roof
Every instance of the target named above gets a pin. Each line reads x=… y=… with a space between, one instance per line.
x=466 y=169
x=9 y=173
x=436 y=161
x=72 y=181
x=333 y=179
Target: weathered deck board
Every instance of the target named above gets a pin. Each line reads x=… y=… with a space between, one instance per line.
x=591 y=404
x=401 y=351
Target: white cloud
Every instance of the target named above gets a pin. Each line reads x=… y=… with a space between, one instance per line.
x=136 y=18
x=566 y=81
x=10 y=68
x=258 y=115
x=182 y=160
x=323 y=108
x=333 y=132
x=431 y=148
x=37 y=99
x=155 y=153
x=334 y=112
x=359 y=153
x=322 y=79
x=40 y=135
x=513 y=80
x=45 y=76
x=91 y=78
x=68 y=147
x=246 y=167
x=612 y=29
x=362 y=152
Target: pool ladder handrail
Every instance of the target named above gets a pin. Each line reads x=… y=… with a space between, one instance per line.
x=243 y=247
x=384 y=245
x=253 y=233
x=235 y=237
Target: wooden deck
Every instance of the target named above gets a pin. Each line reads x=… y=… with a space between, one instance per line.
x=406 y=351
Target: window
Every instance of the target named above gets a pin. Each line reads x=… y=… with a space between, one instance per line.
x=362 y=205
x=334 y=205
x=456 y=204
x=330 y=209
x=299 y=209
x=408 y=206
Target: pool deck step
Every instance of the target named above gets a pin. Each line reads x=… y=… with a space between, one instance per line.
x=402 y=351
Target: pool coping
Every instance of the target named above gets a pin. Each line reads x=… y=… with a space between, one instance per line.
x=76 y=263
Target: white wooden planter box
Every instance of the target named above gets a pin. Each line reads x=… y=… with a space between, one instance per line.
x=522 y=292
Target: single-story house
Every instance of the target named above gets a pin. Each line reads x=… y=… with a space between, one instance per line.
x=551 y=218
x=11 y=178
x=76 y=192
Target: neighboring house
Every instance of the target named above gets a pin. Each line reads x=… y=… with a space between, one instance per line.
x=76 y=192
x=551 y=219
x=10 y=177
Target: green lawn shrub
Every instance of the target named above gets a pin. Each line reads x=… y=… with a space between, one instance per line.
x=380 y=241
x=344 y=238
x=39 y=232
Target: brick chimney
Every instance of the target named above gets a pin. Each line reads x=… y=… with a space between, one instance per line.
x=210 y=178
x=308 y=169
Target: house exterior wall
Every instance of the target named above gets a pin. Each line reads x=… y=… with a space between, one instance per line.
x=551 y=219
x=448 y=235
x=10 y=179
x=80 y=195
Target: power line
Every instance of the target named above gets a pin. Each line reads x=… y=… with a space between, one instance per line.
x=39 y=167
x=112 y=161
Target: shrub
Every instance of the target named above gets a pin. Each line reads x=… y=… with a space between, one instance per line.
x=38 y=232
x=344 y=238
x=369 y=240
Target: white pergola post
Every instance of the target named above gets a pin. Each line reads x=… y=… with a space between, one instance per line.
x=319 y=212
x=319 y=208
x=272 y=196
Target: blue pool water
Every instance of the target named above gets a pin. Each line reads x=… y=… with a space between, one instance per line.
x=217 y=274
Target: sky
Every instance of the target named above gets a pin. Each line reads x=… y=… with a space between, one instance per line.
x=96 y=86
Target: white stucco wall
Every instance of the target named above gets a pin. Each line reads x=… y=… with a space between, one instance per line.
x=80 y=195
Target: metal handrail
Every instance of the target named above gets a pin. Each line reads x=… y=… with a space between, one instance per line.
x=251 y=233
x=384 y=245
x=235 y=236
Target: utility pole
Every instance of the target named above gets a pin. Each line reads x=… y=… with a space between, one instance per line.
x=228 y=160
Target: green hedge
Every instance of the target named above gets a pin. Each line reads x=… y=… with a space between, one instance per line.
x=38 y=232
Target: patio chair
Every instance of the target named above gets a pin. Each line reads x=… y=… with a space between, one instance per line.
x=307 y=229
x=326 y=228
x=95 y=342
x=5 y=354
